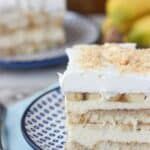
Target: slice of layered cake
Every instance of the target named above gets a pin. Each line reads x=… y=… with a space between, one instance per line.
x=28 y=26
x=107 y=96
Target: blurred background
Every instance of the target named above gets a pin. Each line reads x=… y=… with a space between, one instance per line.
x=28 y=27
x=35 y=33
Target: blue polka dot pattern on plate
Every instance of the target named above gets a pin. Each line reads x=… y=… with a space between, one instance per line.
x=44 y=122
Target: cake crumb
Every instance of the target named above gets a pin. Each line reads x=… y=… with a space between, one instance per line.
x=125 y=60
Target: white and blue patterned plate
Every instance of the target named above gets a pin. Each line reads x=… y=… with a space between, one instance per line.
x=79 y=30
x=43 y=123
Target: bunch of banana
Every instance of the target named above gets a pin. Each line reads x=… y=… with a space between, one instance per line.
x=127 y=20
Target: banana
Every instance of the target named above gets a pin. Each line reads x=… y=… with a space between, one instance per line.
x=127 y=10
x=137 y=97
x=74 y=96
x=93 y=96
x=140 y=32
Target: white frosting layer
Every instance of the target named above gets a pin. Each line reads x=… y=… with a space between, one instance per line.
x=84 y=106
x=107 y=79
x=89 y=136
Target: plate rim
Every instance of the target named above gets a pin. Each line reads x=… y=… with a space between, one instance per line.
x=33 y=64
x=23 y=130
x=45 y=62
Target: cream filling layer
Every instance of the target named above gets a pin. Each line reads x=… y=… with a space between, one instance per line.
x=89 y=136
x=85 y=106
x=106 y=80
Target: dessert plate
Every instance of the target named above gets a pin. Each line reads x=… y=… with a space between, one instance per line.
x=78 y=29
x=43 y=123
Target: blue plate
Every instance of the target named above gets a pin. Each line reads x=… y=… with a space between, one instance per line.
x=35 y=64
x=43 y=123
x=78 y=29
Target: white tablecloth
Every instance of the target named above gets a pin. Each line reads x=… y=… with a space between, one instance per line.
x=17 y=85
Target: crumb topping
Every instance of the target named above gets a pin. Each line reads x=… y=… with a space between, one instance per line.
x=90 y=57
x=126 y=60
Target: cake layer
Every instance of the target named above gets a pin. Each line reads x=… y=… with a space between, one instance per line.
x=90 y=135
x=107 y=68
x=28 y=41
x=85 y=106
x=124 y=120
x=108 y=145
x=14 y=21
x=29 y=35
x=28 y=26
x=119 y=127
